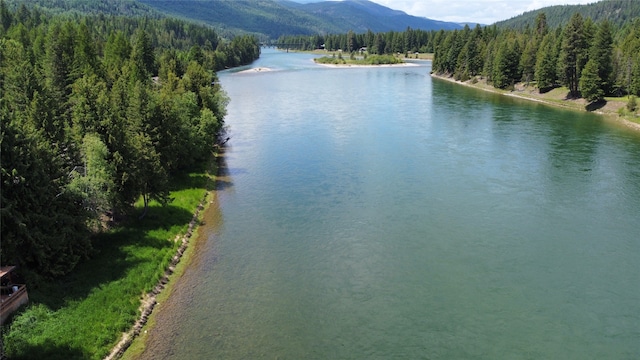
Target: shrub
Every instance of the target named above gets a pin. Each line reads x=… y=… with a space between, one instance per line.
x=632 y=105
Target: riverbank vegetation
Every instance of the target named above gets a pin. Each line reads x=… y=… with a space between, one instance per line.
x=102 y=116
x=82 y=315
x=97 y=112
x=358 y=60
x=592 y=60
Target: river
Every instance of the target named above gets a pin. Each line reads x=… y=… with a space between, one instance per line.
x=377 y=213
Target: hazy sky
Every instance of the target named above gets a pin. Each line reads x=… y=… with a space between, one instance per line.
x=477 y=11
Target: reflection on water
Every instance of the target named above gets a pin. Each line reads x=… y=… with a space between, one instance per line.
x=377 y=213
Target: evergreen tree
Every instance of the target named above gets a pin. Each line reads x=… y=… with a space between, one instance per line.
x=117 y=51
x=487 y=69
x=528 y=60
x=142 y=57
x=591 y=83
x=42 y=228
x=601 y=53
x=6 y=18
x=573 y=53
x=634 y=83
x=89 y=107
x=506 y=64
x=545 y=72
x=541 y=26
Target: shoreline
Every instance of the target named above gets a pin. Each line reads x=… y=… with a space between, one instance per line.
x=134 y=340
x=150 y=300
x=609 y=114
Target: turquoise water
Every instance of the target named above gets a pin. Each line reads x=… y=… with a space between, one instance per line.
x=377 y=213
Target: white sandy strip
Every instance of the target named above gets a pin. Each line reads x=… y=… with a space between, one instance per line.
x=258 y=69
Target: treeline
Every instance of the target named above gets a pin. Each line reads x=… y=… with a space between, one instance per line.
x=591 y=59
x=391 y=42
x=96 y=113
x=617 y=12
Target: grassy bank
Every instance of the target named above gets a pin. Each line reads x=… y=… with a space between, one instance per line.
x=359 y=60
x=84 y=314
x=613 y=108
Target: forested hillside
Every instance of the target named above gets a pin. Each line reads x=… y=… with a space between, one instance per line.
x=592 y=59
x=362 y=15
x=274 y=18
x=97 y=112
x=617 y=12
x=89 y=7
x=263 y=18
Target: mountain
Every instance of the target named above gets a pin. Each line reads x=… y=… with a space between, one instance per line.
x=90 y=7
x=363 y=15
x=618 y=12
x=273 y=18
x=264 y=17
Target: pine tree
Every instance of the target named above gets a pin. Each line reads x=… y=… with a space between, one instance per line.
x=541 y=26
x=5 y=17
x=506 y=64
x=573 y=53
x=142 y=57
x=601 y=52
x=528 y=60
x=591 y=83
x=634 y=82
x=117 y=51
x=545 y=72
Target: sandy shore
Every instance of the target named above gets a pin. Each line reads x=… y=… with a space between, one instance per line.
x=609 y=111
x=258 y=69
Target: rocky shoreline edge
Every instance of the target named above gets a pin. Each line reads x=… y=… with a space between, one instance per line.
x=149 y=300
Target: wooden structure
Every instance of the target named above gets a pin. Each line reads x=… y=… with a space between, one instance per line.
x=12 y=295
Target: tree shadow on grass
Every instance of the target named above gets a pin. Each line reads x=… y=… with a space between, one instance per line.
x=159 y=217
x=116 y=253
x=191 y=181
x=596 y=105
x=49 y=350
x=545 y=90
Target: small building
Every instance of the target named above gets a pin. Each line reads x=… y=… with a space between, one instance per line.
x=12 y=294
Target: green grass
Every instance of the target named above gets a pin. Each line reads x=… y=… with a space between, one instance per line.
x=368 y=60
x=83 y=315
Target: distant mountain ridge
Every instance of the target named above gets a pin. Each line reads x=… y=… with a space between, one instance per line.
x=618 y=12
x=378 y=18
x=274 y=18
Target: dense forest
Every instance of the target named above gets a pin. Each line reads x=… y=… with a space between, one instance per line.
x=98 y=111
x=591 y=59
